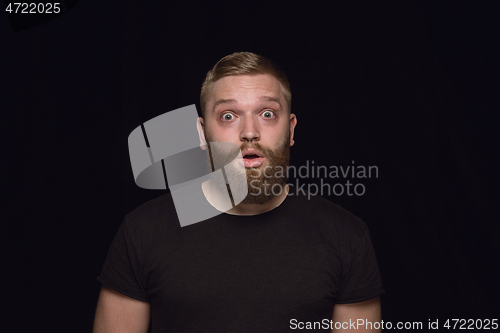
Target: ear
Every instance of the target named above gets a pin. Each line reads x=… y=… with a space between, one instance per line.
x=293 y=123
x=200 y=126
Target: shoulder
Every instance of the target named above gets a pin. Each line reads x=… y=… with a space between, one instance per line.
x=152 y=215
x=331 y=218
x=328 y=212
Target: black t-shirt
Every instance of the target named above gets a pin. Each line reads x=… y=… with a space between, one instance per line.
x=243 y=273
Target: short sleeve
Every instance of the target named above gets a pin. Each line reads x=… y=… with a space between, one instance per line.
x=361 y=278
x=123 y=270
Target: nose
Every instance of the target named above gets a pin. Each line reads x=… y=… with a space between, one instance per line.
x=250 y=130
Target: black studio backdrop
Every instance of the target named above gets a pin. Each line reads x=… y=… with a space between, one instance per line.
x=410 y=88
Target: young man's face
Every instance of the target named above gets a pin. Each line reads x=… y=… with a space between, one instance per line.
x=251 y=111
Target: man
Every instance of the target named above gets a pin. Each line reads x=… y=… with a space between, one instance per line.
x=274 y=263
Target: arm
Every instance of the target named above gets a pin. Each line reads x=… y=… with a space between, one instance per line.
x=119 y=313
x=369 y=311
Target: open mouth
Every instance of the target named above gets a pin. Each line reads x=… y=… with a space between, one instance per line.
x=252 y=159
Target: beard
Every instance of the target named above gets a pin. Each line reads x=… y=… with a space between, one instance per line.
x=264 y=182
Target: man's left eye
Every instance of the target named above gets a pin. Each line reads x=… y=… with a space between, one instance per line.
x=268 y=114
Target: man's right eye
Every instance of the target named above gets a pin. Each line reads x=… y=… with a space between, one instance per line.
x=227 y=116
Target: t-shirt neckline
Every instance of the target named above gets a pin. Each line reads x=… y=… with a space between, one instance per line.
x=275 y=210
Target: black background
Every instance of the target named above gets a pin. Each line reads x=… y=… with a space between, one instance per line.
x=411 y=87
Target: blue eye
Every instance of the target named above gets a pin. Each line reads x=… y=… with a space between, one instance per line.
x=268 y=114
x=227 y=116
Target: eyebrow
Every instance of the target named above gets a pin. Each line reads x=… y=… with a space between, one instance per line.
x=262 y=98
x=270 y=99
x=223 y=101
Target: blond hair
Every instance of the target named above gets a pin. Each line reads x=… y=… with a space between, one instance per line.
x=244 y=63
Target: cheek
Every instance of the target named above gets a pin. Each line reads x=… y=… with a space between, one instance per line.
x=218 y=133
x=278 y=134
x=284 y=139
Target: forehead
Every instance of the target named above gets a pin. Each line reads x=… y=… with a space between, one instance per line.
x=246 y=88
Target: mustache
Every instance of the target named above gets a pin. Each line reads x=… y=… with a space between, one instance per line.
x=265 y=150
x=279 y=155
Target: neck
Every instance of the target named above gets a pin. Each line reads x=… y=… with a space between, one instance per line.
x=219 y=201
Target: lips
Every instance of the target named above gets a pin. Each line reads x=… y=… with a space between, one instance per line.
x=252 y=158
